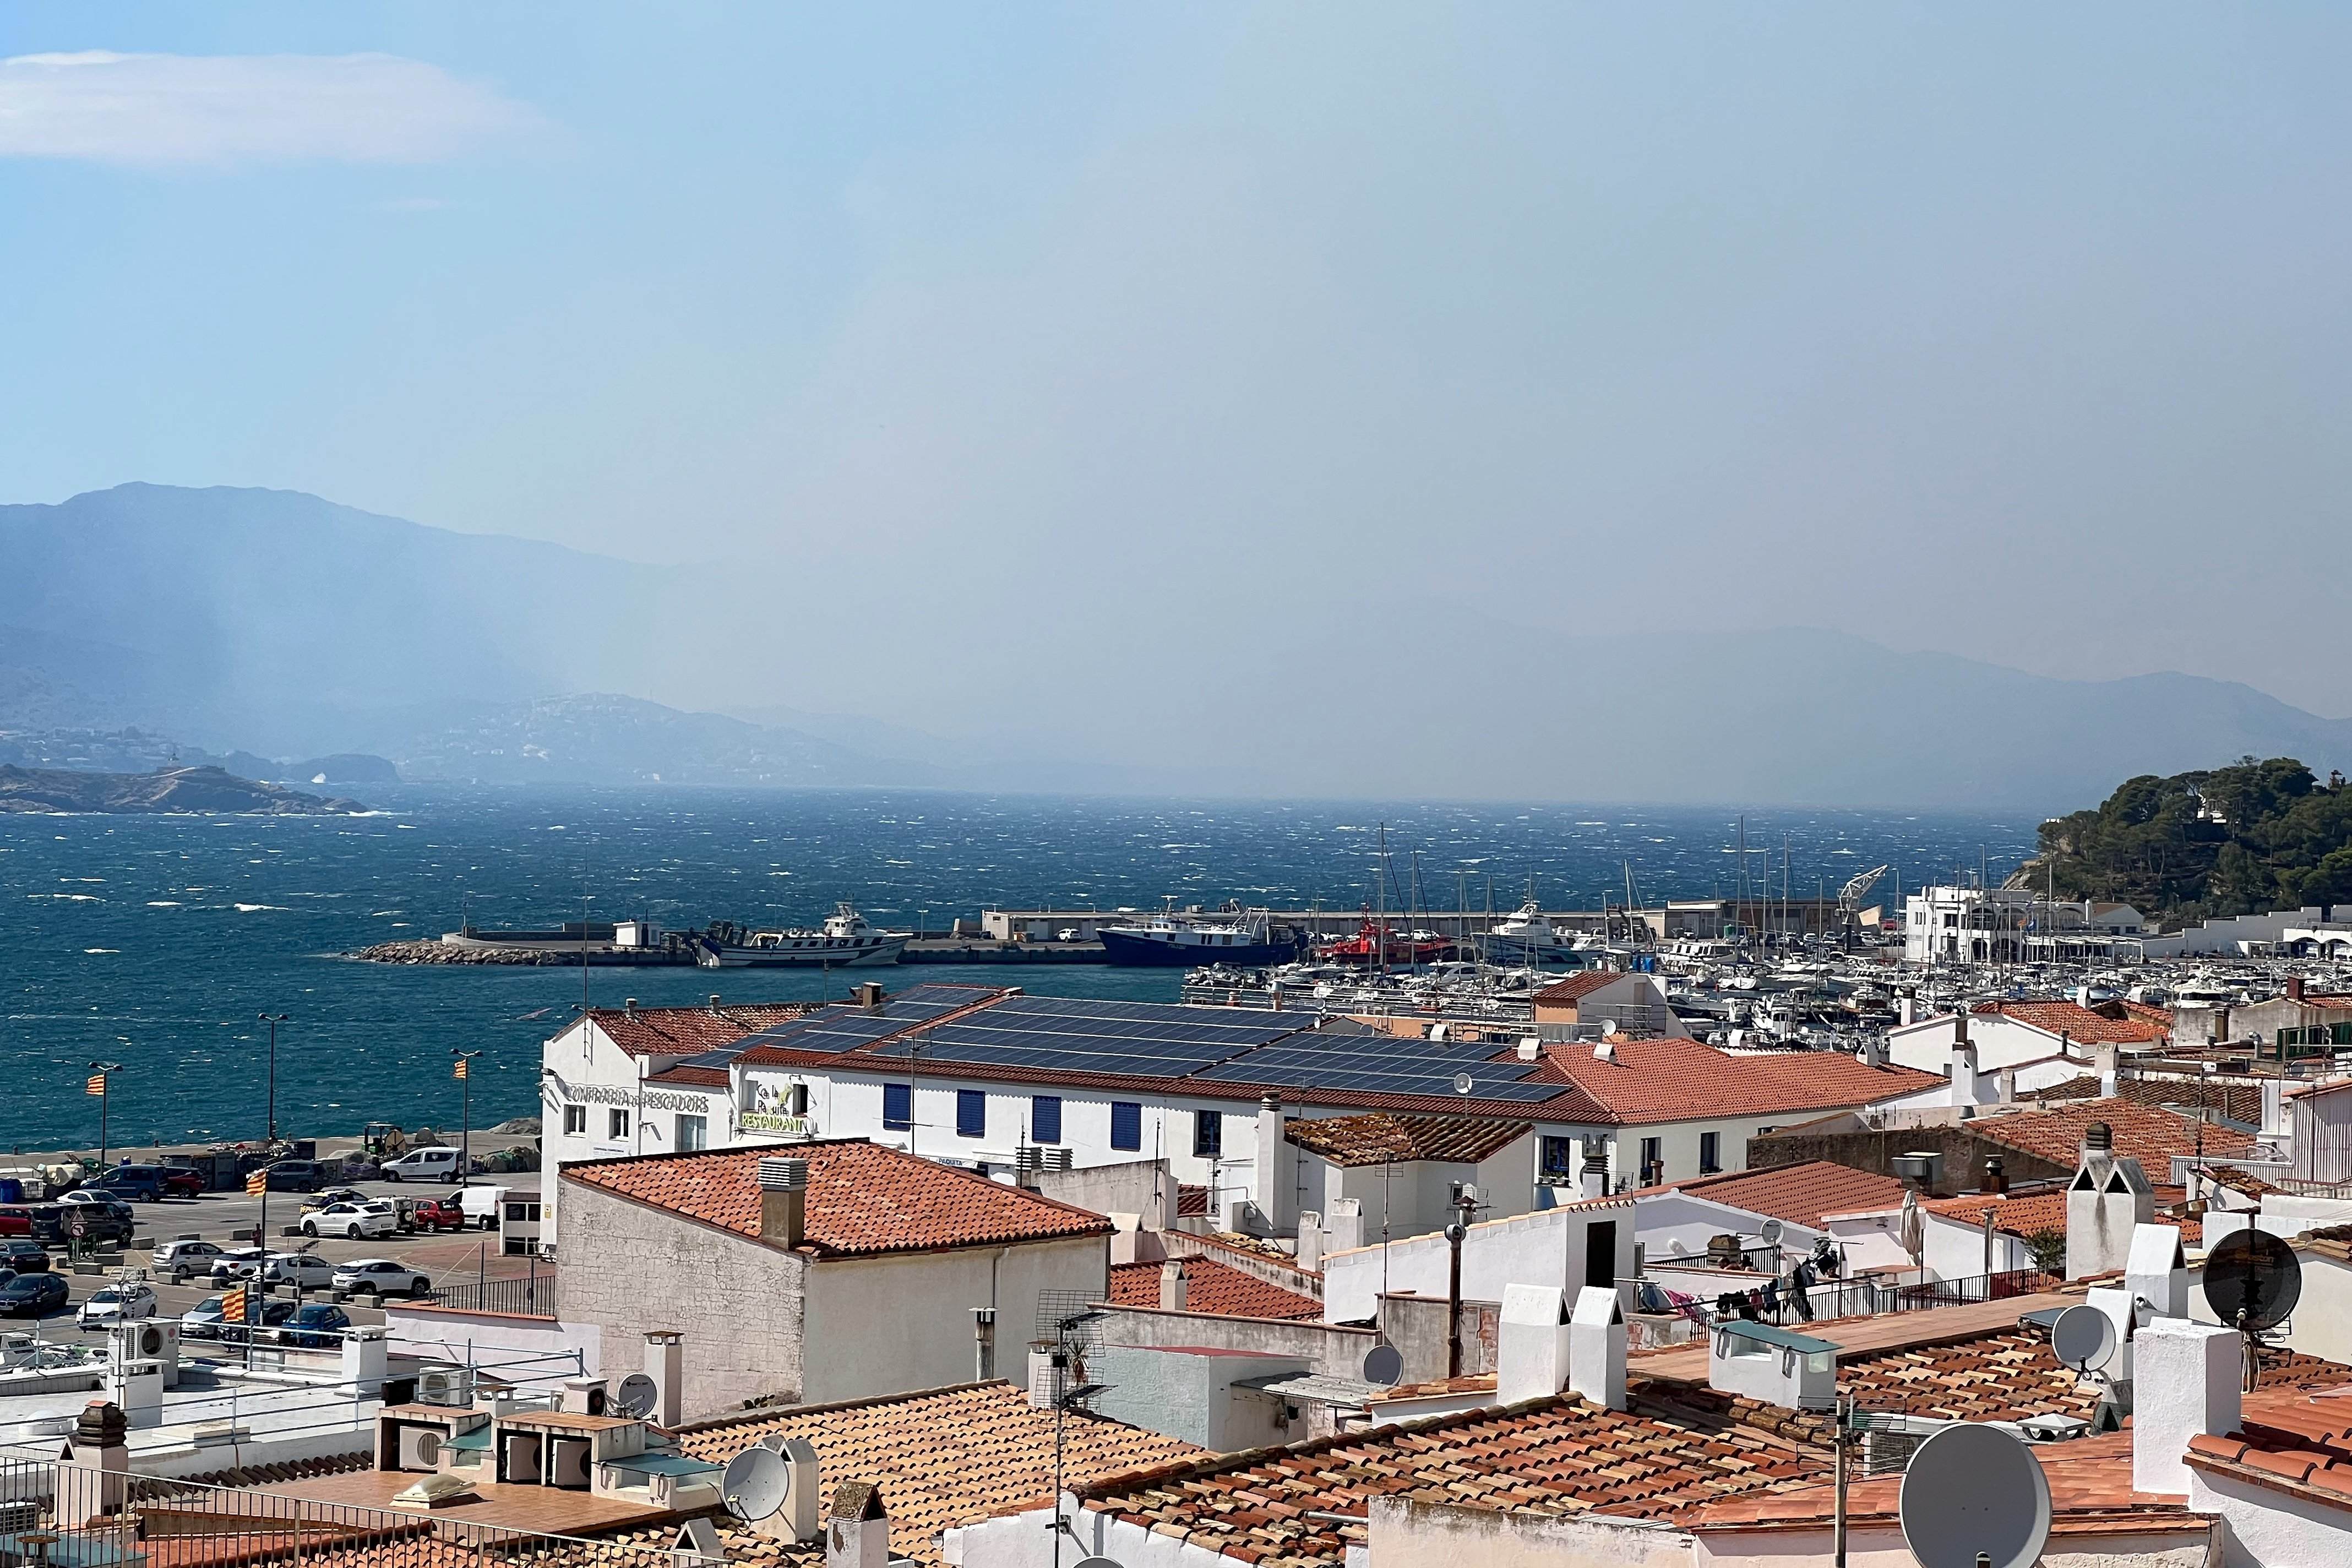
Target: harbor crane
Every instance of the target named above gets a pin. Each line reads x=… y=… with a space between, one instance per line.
x=1850 y=899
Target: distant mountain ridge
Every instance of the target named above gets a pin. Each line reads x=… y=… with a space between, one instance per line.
x=275 y=623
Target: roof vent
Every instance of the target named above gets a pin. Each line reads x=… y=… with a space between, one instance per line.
x=784 y=1199
x=714 y=1004
x=782 y=1174
x=1530 y=1048
x=629 y=1005
x=2099 y=1135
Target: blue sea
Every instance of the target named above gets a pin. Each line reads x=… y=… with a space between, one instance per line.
x=154 y=941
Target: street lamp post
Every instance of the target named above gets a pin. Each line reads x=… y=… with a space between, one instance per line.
x=464 y=1074
x=273 y=1020
x=103 y=1077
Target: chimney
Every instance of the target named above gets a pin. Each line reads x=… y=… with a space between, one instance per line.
x=95 y=1476
x=2083 y=997
x=983 y=1344
x=629 y=1005
x=2295 y=988
x=1531 y=1344
x=2185 y=1383
x=783 y=1200
x=364 y=1358
x=1592 y=1179
x=2005 y=1085
x=1995 y=1174
x=1906 y=1010
x=2107 y=1201
x=1874 y=1052
x=1596 y=1347
x=665 y=1364
x=1278 y=1168
x=2158 y=1271
x=857 y=1535
x=1175 y=1291
x=1311 y=1242
x=714 y=1004
x=2109 y=1059
x=868 y=995
x=1963 y=1070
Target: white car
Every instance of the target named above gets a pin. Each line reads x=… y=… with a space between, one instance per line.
x=114 y=1304
x=236 y=1264
x=381 y=1276
x=304 y=1270
x=367 y=1218
x=181 y=1261
x=434 y=1165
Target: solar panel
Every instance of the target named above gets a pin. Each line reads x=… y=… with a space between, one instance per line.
x=1067 y=1033
x=1385 y=1065
x=845 y=1026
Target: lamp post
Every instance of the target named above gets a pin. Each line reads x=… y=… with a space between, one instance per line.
x=464 y=1075
x=273 y=1020
x=100 y=1082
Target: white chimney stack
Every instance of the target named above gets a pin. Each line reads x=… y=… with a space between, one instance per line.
x=1592 y=1179
x=1278 y=1168
x=1596 y=1347
x=665 y=1364
x=858 y=1534
x=1531 y=1350
x=1175 y=1291
x=2109 y=1059
x=2186 y=1384
x=2105 y=1202
x=2157 y=1272
x=1310 y=1242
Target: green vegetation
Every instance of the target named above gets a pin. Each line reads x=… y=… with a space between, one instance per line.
x=2232 y=841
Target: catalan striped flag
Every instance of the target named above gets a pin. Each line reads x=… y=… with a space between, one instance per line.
x=257 y=1181
x=233 y=1307
x=96 y=1084
x=461 y=1068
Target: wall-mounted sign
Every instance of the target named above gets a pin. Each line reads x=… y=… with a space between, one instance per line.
x=771 y=1122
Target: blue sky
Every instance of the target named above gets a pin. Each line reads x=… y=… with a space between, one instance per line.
x=2006 y=330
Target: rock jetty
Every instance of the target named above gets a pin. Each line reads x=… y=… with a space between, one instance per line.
x=428 y=951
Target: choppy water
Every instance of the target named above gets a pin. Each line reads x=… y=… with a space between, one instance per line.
x=155 y=942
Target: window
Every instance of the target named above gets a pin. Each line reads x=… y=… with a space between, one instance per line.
x=796 y=1101
x=1126 y=1124
x=1207 y=1134
x=575 y=1119
x=1653 y=1160
x=617 y=1125
x=693 y=1133
x=1710 y=1154
x=898 y=1107
x=1045 y=1118
x=1600 y=1252
x=972 y=1113
x=1560 y=1156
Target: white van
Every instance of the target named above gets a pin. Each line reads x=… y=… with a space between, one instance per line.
x=479 y=1205
x=422 y=1165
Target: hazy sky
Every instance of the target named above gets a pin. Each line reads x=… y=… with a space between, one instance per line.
x=1307 y=331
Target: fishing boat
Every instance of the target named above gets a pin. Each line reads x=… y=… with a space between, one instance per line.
x=1374 y=944
x=844 y=939
x=1247 y=941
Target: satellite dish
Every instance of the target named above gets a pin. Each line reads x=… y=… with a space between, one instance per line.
x=1382 y=1366
x=1608 y=1028
x=2252 y=1280
x=1770 y=1232
x=1100 y=1562
x=1464 y=1083
x=756 y=1484
x=637 y=1396
x=2083 y=1338
x=1974 y=1494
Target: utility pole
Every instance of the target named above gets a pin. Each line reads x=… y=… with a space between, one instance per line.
x=463 y=1072
x=273 y=1020
x=1465 y=1204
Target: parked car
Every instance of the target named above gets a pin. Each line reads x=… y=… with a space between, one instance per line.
x=297 y=1176
x=137 y=1184
x=114 y=1304
x=236 y=1264
x=333 y=1196
x=202 y=1322
x=19 y=1256
x=181 y=1182
x=436 y=1214
x=380 y=1276
x=304 y=1270
x=481 y=1205
x=435 y=1164
x=103 y=1218
x=273 y=1313
x=33 y=1295
x=318 y=1326
x=16 y=1222
x=181 y=1261
x=367 y=1218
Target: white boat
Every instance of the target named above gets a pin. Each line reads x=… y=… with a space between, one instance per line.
x=1528 y=937
x=844 y=940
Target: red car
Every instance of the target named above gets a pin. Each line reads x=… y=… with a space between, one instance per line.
x=16 y=1222
x=437 y=1214
x=179 y=1182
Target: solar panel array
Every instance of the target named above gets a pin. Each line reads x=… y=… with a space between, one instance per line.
x=1382 y=1064
x=1063 y=1034
x=845 y=1027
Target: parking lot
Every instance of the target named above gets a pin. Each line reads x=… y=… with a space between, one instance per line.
x=447 y=1258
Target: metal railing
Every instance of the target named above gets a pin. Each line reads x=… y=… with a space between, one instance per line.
x=1849 y=1298
x=530 y=1296
x=66 y=1514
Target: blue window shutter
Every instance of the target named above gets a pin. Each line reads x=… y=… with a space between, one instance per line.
x=899 y=1106
x=1126 y=1124
x=972 y=1113
x=1045 y=1118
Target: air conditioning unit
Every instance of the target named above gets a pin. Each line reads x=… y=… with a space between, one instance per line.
x=149 y=1338
x=446 y=1385
x=420 y=1448
x=583 y=1396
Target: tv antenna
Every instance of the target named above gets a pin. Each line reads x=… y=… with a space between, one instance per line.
x=2253 y=1282
x=756 y=1484
x=637 y=1396
x=1974 y=1497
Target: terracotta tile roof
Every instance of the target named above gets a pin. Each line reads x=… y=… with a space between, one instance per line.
x=1379 y=1136
x=2090 y=1483
x=686 y=1031
x=1802 y=1194
x=2287 y=1440
x=2146 y=1134
x=2022 y=1214
x=1582 y=984
x=2235 y=1101
x=2081 y=1022
x=684 y=1076
x=941 y=1457
x=1677 y=1079
x=1218 y=1289
x=1558 y=1456
x=862 y=1198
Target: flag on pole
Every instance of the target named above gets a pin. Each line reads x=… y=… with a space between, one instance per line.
x=233 y=1307
x=461 y=1067
x=257 y=1181
x=96 y=1084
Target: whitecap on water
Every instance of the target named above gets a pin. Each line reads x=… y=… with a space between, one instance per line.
x=248 y=909
x=101 y=950
x=162 y=903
